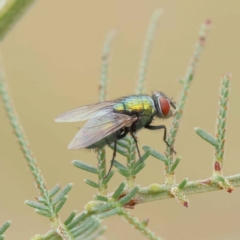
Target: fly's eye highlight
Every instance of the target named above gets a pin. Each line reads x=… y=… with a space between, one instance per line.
x=164 y=105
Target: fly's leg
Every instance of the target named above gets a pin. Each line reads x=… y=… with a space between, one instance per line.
x=126 y=130
x=164 y=136
x=119 y=137
x=114 y=155
x=135 y=140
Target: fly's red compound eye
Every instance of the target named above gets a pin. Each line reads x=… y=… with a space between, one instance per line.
x=165 y=106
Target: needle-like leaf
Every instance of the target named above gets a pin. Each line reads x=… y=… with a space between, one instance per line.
x=84 y=166
x=206 y=136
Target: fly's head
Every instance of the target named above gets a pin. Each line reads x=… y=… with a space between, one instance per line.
x=163 y=105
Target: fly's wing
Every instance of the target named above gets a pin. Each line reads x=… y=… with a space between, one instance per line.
x=100 y=127
x=86 y=112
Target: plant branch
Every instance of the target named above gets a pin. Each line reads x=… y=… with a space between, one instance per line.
x=105 y=63
x=131 y=146
x=10 y=12
x=219 y=141
x=147 y=50
x=140 y=226
x=158 y=192
x=186 y=82
x=28 y=154
x=101 y=154
x=21 y=138
x=221 y=125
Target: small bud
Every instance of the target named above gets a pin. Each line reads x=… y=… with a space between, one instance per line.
x=207 y=181
x=145 y=222
x=217 y=166
x=230 y=190
x=208 y=22
x=90 y=205
x=180 y=196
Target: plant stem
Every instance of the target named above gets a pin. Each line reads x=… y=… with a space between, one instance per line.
x=157 y=192
x=186 y=84
x=10 y=12
x=140 y=226
x=105 y=63
x=23 y=142
x=147 y=50
x=221 y=125
x=101 y=155
x=131 y=158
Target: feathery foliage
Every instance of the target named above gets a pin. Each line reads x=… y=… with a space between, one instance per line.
x=87 y=224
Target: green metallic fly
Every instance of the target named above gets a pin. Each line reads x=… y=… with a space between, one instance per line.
x=110 y=121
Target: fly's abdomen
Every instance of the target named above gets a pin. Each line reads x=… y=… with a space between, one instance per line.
x=105 y=141
x=136 y=104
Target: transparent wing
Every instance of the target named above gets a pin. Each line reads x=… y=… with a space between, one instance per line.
x=86 y=112
x=100 y=127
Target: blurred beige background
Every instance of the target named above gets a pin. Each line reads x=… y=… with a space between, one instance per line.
x=52 y=60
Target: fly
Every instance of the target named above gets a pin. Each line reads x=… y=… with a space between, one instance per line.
x=110 y=121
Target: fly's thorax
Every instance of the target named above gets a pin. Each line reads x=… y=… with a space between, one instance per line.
x=142 y=122
x=142 y=104
x=163 y=105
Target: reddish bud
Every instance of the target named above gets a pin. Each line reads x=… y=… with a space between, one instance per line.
x=217 y=166
x=208 y=22
x=230 y=190
x=185 y=204
x=202 y=39
x=129 y=206
x=207 y=181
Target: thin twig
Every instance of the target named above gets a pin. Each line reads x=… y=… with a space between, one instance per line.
x=10 y=12
x=186 y=84
x=221 y=125
x=147 y=50
x=140 y=226
x=101 y=154
x=158 y=192
x=131 y=158
x=23 y=142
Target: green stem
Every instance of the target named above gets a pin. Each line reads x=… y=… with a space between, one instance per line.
x=140 y=226
x=186 y=85
x=101 y=156
x=157 y=192
x=221 y=125
x=22 y=140
x=105 y=63
x=147 y=50
x=131 y=159
x=10 y=13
